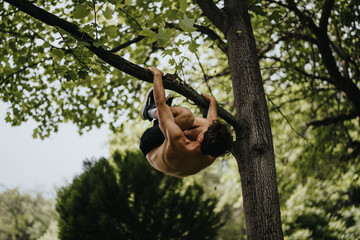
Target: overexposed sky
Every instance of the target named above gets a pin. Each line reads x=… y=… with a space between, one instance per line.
x=34 y=164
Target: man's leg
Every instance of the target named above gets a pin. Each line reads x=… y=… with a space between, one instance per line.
x=148 y=110
x=184 y=118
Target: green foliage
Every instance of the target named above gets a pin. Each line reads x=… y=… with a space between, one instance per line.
x=131 y=200
x=25 y=216
x=324 y=209
x=48 y=76
x=222 y=180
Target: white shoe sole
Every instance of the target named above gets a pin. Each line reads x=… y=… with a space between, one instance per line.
x=142 y=115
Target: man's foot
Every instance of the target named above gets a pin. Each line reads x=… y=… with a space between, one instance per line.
x=150 y=104
x=147 y=105
x=169 y=100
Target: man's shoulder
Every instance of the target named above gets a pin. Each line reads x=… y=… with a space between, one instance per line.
x=202 y=121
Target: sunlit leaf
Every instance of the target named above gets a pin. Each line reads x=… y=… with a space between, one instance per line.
x=81 y=11
x=187 y=24
x=108 y=12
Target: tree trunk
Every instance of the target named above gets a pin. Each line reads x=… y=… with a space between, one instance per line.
x=253 y=148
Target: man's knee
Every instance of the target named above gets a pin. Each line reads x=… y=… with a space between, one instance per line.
x=184 y=118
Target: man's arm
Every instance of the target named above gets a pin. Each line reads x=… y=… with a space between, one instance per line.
x=212 y=111
x=167 y=123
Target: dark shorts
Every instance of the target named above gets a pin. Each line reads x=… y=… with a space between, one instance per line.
x=151 y=138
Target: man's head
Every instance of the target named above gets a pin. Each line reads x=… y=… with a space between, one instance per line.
x=217 y=140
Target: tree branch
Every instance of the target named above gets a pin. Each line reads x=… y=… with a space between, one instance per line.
x=323 y=42
x=333 y=120
x=346 y=58
x=213 y=13
x=287 y=120
x=213 y=36
x=305 y=19
x=118 y=62
x=202 y=29
x=19 y=71
x=131 y=18
x=128 y=43
x=288 y=37
x=17 y=34
x=326 y=11
x=300 y=71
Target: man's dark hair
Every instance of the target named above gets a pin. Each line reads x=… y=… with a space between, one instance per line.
x=217 y=140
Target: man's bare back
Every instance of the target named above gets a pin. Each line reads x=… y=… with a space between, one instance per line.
x=180 y=154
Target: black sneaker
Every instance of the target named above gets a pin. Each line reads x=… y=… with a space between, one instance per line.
x=169 y=99
x=147 y=105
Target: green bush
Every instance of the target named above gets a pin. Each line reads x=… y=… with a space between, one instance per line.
x=131 y=200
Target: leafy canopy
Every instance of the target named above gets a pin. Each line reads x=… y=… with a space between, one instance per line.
x=50 y=77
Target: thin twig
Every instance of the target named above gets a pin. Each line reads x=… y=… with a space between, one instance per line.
x=131 y=18
x=21 y=70
x=287 y=120
x=205 y=76
x=95 y=22
x=72 y=52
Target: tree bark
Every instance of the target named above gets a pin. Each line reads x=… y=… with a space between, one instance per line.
x=253 y=148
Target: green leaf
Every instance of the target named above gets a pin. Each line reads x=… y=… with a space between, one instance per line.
x=69 y=84
x=70 y=75
x=183 y=5
x=276 y=16
x=193 y=47
x=108 y=12
x=81 y=11
x=172 y=14
x=35 y=133
x=163 y=35
x=257 y=10
x=82 y=74
x=98 y=44
x=60 y=69
x=82 y=43
x=187 y=24
x=8 y=118
x=168 y=52
x=111 y=31
x=151 y=16
x=172 y=62
x=58 y=54
x=150 y=34
x=147 y=33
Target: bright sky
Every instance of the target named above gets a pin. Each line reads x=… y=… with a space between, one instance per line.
x=42 y=165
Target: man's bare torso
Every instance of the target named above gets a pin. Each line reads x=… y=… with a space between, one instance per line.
x=184 y=153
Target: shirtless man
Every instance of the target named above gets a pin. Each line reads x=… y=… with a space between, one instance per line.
x=180 y=144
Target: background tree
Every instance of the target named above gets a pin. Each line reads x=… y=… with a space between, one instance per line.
x=311 y=72
x=314 y=71
x=131 y=200
x=26 y=216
